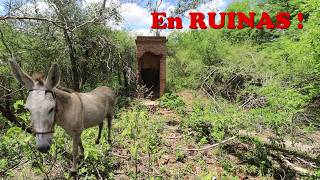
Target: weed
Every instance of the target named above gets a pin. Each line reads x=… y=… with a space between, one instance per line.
x=172 y=101
x=180 y=156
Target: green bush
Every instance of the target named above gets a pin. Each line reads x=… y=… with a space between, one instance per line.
x=172 y=101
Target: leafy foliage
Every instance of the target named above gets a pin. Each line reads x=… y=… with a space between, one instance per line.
x=172 y=101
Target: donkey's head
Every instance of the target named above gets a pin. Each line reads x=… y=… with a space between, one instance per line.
x=41 y=103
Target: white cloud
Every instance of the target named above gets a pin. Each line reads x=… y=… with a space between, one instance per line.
x=148 y=32
x=109 y=3
x=88 y=2
x=166 y=7
x=43 y=7
x=2 y=10
x=30 y=8
x=139 y=20
x=141 y=32
x=135 y=16
x=214 y=5
x=166 y=33
x=211 y=6
x=114 y=25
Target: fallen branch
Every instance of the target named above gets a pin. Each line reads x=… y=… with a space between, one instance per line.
x=298 y=149
x=2 y=173
x=174 y=137
x=308 y=163
x=295 y=168
x=97 y=170
x=210 y=146
x=156 y=170
x=120 y=156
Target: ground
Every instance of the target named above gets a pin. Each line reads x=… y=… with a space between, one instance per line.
x=154 y=144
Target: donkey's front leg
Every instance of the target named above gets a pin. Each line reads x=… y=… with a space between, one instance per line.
x=76 y=143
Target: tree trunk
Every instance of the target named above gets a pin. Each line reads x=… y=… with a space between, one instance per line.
x=15 y=120
x=124 y=72
x=8 y=114
x=74 y=62
x=119 y=74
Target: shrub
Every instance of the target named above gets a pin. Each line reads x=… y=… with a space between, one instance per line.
x=172 y=101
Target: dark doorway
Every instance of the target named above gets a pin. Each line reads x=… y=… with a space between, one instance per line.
x=150 y=73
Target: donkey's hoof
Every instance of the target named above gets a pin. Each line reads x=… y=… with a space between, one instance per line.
x=97 y=142
x=73 y=172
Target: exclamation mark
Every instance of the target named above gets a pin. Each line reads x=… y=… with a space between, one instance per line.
x=300 y=18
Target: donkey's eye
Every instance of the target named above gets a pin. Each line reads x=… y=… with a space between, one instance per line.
x=51 y=110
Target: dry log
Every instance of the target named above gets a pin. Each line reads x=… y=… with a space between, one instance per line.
x=293 y=167
x=298 y=149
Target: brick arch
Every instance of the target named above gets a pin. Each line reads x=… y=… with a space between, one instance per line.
x=151 y=50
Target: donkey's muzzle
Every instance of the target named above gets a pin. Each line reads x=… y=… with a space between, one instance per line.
x=44 y=149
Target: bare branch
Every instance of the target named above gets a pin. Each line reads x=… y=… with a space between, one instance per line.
x=5 y=88
x=8 y=114
x=102 y=7
x=85 y=23
x=56 y=23
x=11 y=93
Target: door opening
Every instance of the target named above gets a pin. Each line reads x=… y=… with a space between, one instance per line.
x=150 y=73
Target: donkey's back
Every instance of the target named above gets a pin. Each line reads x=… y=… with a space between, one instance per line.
x=105 y=93
x=98 y=104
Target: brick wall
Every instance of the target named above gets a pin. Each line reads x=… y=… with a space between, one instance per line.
x=156 y=46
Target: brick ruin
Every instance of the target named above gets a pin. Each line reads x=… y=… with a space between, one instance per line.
x=151 y=63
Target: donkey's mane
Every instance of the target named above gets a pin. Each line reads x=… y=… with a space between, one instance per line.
x=38 y=77
x=68 y=90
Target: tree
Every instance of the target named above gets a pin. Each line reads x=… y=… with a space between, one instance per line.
x=67 y=16
x=78 y=37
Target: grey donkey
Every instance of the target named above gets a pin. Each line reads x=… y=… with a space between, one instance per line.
x=74 y=112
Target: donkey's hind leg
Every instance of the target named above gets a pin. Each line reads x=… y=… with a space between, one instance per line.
x=81 y=149
x=109 y=117
x=99 y=135
x=76 y=142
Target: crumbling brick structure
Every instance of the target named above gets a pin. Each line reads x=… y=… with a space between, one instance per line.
x=151 y=63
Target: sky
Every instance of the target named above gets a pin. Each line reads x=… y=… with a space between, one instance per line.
x=137 y=19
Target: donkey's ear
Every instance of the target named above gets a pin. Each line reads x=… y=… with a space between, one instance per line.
x=21 y=76
x=53 y=76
